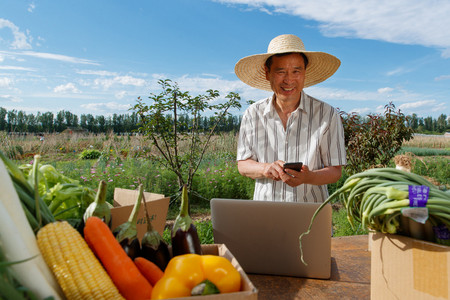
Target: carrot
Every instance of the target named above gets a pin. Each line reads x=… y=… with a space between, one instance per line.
x=150 y=270
x=123 y=272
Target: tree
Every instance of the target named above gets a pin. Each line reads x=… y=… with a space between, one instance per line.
x=101 y=122
x=428 y=123
x=46 y=121
x=414 y=121
x=441 y=123
x=3 y=113
x=91 y=123
x=181 y=151
x=12 y=120
x=21 y=121
x=83 y=121
x=60 y=125
x=374 y=141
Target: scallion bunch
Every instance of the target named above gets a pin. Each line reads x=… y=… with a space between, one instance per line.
x=377 y=197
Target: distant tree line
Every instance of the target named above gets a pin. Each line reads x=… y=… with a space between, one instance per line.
x=14 y=121
x=20 y=122
x=429 y=125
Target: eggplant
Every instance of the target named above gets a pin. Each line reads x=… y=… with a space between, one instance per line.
x=126 y=233
x=99 y=208
x=153 y=246
x=184 y=234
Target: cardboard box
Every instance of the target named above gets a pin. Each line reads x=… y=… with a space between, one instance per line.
x=407 y=268
x=248 y=290
x=157 y=206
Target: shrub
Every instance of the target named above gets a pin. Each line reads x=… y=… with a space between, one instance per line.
x=90 y=154
x=374 y=140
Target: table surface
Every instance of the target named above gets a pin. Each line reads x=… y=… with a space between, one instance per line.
x=350 y=276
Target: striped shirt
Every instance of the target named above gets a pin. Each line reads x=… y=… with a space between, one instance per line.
x=314 y=135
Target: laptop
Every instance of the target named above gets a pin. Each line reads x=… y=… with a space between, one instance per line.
x=264 y=236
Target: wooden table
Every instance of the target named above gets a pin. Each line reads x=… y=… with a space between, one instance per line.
x=350 y=276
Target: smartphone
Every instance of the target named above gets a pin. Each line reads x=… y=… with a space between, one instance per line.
x=297 y=166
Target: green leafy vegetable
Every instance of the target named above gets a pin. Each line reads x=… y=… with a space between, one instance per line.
x=66 y=198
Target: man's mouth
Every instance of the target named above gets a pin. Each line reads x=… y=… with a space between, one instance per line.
x=288 y=89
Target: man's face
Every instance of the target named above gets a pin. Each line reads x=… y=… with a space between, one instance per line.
x=287 y=76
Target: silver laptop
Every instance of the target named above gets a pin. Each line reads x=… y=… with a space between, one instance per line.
x=264 y=236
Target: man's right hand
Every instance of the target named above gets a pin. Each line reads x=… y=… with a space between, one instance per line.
x=274 y=170
x=257 y=170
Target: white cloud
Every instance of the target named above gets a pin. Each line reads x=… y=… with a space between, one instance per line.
x=16 y=68
x=5 y=82
x=424 y=105
x=52 y=56
x=21 y=40
x=342 y=94
x=413 y=22
x=418 y=104
x=361 y=111
x=98 y=73
x=119 y=80
x=31 y=7
x=385 y=90
x=108 y=107
x=66 y=88
x=442 y=77
x=10 y=98
x=120 y=95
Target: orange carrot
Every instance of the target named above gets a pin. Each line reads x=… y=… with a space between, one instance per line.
x=150 y=270
x=123 y=272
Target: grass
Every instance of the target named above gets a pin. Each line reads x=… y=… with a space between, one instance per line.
x=417 y=151
x=429 y=141
x=125 y=161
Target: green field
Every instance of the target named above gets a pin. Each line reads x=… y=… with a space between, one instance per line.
x=126 y=161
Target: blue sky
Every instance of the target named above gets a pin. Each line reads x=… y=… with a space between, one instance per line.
x=98 y=56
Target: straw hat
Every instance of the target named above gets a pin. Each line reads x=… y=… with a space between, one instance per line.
x=320 y=66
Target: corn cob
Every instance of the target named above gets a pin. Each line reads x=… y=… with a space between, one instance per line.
x=77 y=270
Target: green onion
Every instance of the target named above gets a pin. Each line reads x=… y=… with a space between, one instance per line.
x=376 y=197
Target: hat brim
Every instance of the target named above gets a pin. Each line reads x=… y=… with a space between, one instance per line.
x=320 y=67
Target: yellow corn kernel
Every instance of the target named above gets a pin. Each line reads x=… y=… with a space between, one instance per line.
x=77 y=270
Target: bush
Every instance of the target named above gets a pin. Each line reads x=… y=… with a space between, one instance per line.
x=374 y=140
x=90 y=154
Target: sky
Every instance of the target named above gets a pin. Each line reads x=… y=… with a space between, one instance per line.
x=98 y=56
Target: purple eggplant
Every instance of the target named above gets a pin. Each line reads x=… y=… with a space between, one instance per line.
x=126 y=233
x=184 y=234
x=153 y=246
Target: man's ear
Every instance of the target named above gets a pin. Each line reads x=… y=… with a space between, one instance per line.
x=266 y=70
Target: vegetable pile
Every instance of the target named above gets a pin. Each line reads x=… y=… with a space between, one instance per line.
x=66 y=198
x=43 y=256
x=394 y=201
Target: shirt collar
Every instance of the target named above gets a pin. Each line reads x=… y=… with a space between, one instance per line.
x=270 y=108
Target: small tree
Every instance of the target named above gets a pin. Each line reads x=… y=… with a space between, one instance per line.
x=181 y=151
x=375 y=140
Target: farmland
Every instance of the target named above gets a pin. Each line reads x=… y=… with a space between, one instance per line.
x=126 y=161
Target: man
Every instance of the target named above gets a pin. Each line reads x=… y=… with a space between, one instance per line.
x=290 y=126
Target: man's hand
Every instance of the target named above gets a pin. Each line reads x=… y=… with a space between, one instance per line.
x=274 y=170
x=256 y=170
x=294 y=178
x=318 y=177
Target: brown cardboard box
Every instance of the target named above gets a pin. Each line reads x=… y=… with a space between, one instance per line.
x=407 y=268
x=248 y=290
x=157 y=206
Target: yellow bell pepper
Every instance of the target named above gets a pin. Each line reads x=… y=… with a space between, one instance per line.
x=184 y=272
